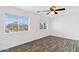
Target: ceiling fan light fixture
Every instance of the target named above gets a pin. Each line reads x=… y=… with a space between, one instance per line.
x=52 y=10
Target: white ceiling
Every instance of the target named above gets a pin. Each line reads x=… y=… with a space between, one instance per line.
x=34 y=9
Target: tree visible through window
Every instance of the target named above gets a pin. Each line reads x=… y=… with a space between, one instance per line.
x=15 y=23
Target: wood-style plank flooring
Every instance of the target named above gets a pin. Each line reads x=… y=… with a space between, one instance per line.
x=47 y=44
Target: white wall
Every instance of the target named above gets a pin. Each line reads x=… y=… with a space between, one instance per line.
x=17 y=38
x=66 y=23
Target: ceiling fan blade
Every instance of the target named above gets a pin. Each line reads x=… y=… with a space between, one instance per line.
x=43 y=11
x=38 y=11
x=60 y=9
x=55 y=12
x=47 y=13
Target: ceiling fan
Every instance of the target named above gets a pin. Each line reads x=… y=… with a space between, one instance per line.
x=53 y=9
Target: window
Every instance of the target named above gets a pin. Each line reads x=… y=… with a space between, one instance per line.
x=15 y=23
x=43 y=24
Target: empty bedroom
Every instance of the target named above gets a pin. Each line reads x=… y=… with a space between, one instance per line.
x=39 y=28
